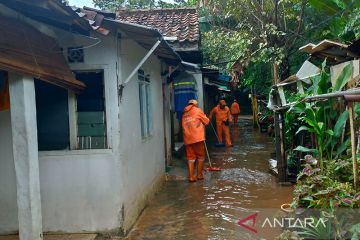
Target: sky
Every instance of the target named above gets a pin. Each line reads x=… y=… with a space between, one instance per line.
x=81 y=3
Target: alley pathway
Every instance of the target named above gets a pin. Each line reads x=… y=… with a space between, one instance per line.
x=210 y=209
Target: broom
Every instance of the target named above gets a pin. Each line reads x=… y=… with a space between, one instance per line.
x=218 y=144
x=211 y=168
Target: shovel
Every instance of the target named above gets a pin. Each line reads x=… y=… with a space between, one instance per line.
x=211 y=168
x=218 y=144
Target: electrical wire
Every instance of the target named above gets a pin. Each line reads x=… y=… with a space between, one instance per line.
x=85 y=47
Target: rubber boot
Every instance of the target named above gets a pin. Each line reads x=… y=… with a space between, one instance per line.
x=200 y=167
x=191 y=165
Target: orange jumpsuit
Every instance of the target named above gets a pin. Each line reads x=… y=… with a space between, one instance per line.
x=193 y=122
x=235 y=111
x=222 y=115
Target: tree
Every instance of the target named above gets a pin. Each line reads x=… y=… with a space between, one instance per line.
x=113 y=5
x=265 y=31
x=271 y=31
x=117 y=4
x=342 y=18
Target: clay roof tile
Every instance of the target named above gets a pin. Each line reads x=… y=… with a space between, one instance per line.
x=181 y=22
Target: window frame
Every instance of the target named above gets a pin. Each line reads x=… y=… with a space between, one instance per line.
x=73 y=115
x=145 y=105
x=77 y=147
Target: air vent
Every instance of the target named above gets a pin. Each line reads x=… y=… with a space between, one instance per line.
x=75 y=55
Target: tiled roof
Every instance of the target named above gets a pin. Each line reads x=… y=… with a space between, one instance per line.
x=182 y=23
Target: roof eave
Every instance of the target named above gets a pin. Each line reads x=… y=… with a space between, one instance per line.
x=154 y=34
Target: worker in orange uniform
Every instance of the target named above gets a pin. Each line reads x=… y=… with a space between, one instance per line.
x=235 y=111
x=223 y=120
x=193 y=121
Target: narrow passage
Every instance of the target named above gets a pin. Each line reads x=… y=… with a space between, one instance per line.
x=210 y=209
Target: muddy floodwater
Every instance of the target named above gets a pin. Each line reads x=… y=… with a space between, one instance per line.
x=211 y=209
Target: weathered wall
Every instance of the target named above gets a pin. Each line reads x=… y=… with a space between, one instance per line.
x=143 y=160
x=81 y=189
x=8 y=207
x=96 y=190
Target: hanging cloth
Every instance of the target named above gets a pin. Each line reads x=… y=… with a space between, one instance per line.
x=4 y=92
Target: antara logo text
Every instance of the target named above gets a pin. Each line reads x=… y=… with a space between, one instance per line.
x=287 y=222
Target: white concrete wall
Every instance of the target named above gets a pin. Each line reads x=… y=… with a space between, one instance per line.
x=200 y=91
x=96 y=190
x=143 y=160
x=8 y=206
x=81 y=189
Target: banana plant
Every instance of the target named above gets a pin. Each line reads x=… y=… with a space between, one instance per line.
x=322 y=134
x=318 y=117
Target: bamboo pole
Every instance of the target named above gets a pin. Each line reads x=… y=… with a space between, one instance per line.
x=354 y=91
x=353 y=145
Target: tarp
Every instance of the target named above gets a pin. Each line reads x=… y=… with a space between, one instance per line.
x=27 y=51
x=184 y=90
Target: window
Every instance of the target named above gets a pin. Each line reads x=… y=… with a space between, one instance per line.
x=91 y=124
x=145 y=104
x=69 y=121
x=52 y=115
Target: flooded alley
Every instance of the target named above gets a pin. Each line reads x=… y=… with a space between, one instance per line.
x=210 y=209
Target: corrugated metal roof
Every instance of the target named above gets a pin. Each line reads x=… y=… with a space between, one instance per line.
x=58 y=14
x=334 y=52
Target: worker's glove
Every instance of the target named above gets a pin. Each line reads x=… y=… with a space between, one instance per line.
x=226 y=123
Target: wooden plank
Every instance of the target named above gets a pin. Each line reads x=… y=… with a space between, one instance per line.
x=280 y=147
x=282 y=96
x=91 y=117
x=300 y=87
x=93 y=130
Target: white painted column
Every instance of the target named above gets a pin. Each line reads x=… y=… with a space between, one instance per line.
x=25 y=147
x=200 y=89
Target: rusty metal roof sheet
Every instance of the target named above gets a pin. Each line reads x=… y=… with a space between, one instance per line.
x=58 y=14
x=25 y=50
x=335 y=52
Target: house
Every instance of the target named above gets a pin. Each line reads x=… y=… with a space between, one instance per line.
x=216 y=86
x=83 y=139
x=180 y=28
